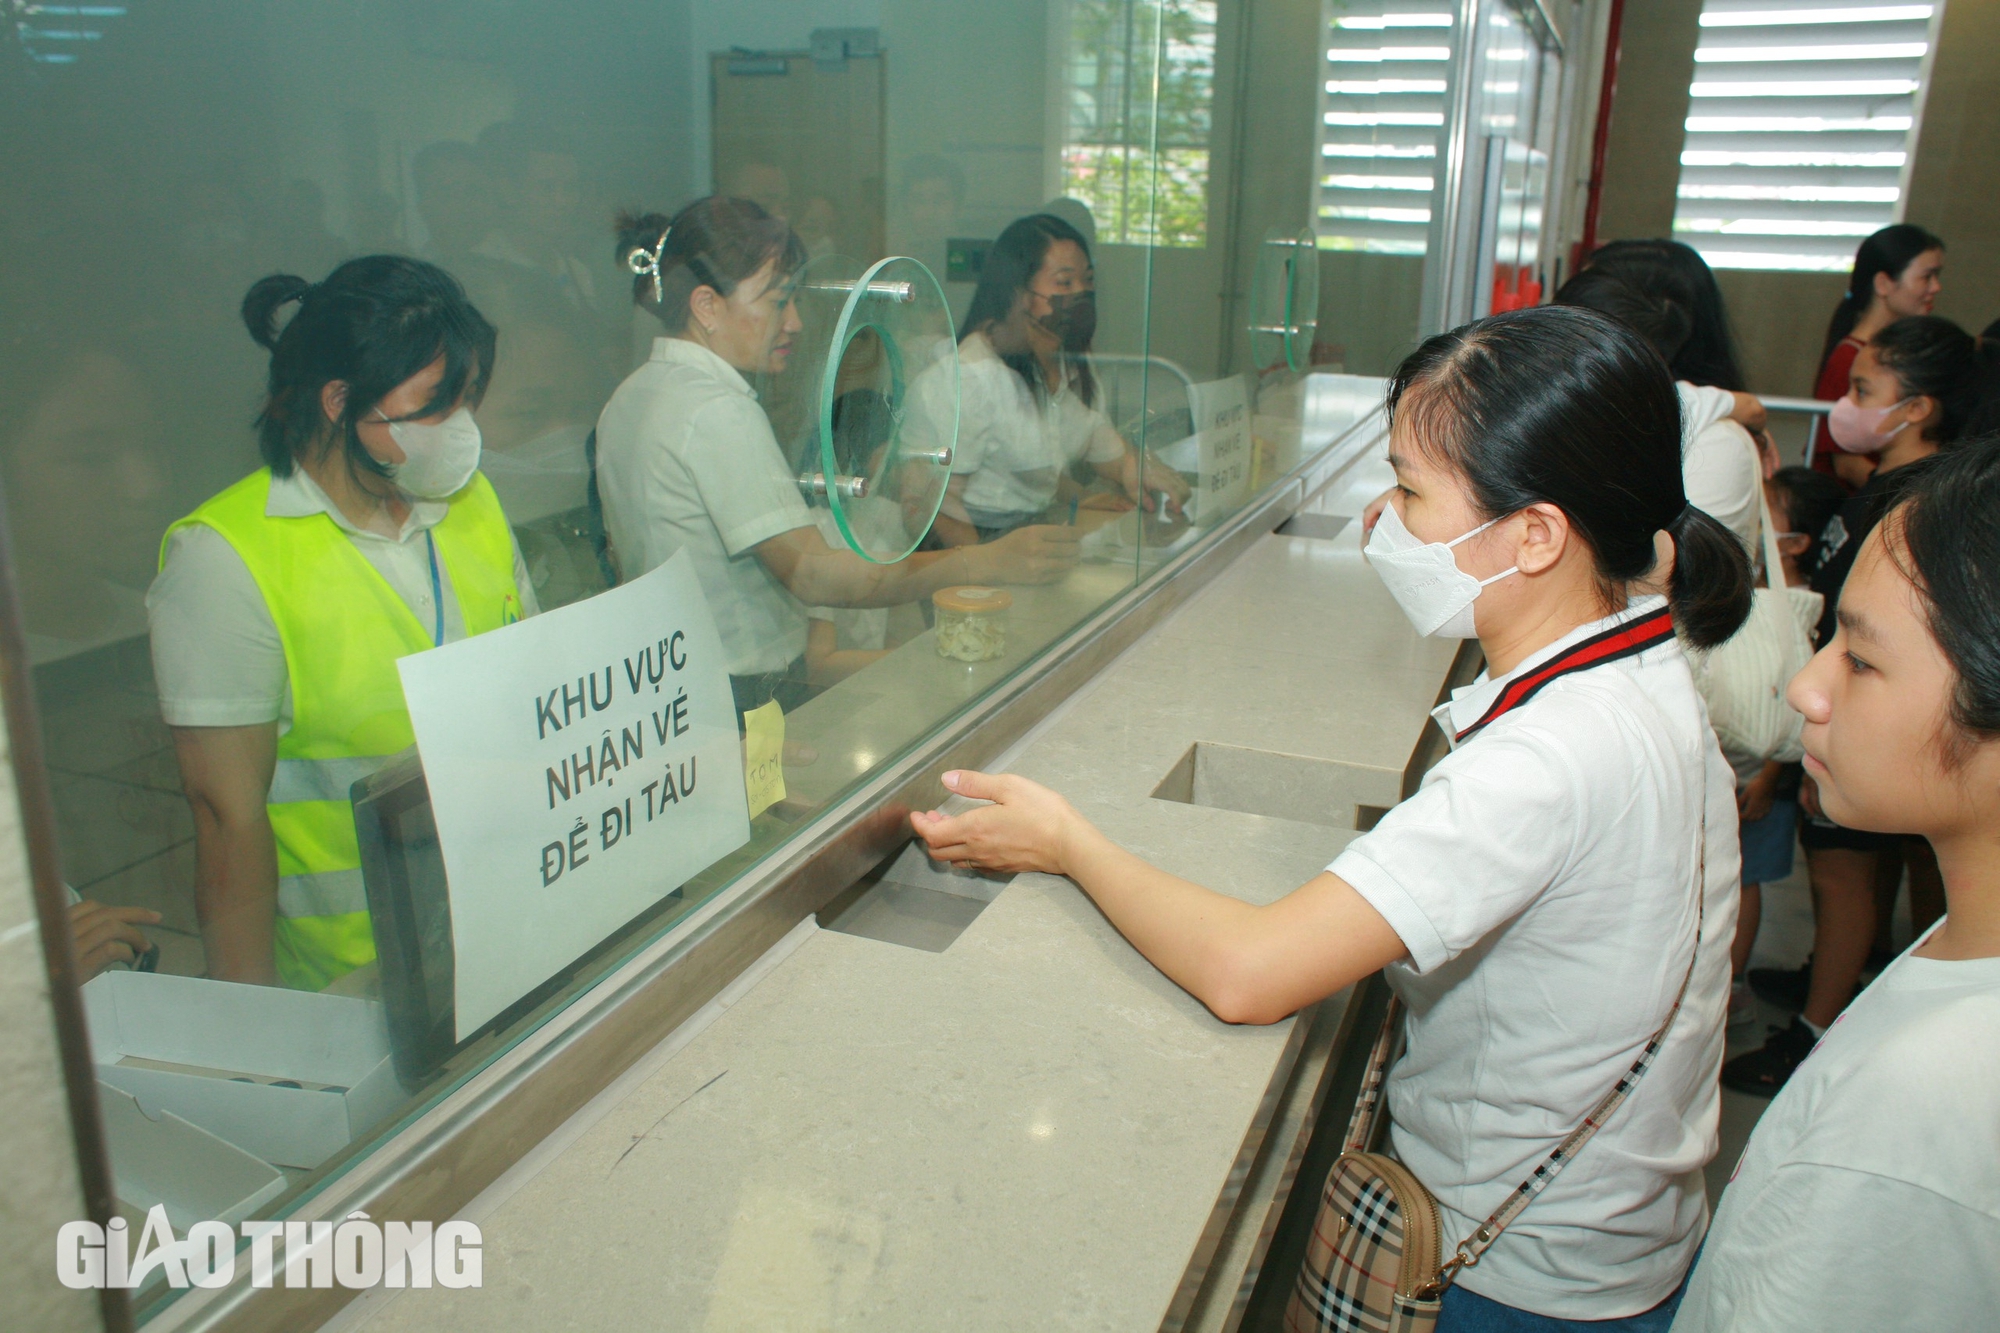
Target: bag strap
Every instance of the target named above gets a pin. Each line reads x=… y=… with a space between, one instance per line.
x=1551 y=1166
x=1362 y=1125
x=1774 y=560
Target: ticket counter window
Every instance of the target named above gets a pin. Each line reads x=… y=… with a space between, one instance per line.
x=468 y=418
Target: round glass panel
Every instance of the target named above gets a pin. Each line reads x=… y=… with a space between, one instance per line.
x=1284 y=302
x=888 y=409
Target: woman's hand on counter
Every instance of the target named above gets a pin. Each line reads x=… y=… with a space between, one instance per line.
x=1248 y=964
x=1026 y=829
x=1043 y=553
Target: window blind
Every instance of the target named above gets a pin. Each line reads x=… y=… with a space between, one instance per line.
x=1798 y=129
x=56 y=34
x=1382 y=115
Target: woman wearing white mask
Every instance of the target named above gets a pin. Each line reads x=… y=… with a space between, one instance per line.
x=1563 y=875
x=283 y=602
x=1912 y=388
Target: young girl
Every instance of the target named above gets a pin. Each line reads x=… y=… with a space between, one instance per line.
x=1541 y=900
x=1896 y=275
x=1869 y=1196
x=1802 y=502
x=1913 y=388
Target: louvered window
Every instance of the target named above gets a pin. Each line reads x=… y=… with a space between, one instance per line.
x=1382 y=119
x=1799 y=129
x=58 y=34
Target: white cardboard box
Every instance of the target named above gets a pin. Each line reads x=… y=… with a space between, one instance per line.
x=162 y=1159
x=229 y=1041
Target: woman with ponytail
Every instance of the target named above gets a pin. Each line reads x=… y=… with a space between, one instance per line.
x=283 y=603
x=1896 y=275
x=1565 y=873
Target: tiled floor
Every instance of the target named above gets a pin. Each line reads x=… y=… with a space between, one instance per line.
x=126 y=835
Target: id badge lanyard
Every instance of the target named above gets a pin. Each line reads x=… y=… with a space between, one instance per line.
x=437 y=591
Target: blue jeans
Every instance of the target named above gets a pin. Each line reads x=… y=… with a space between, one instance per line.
x=1469 y=1312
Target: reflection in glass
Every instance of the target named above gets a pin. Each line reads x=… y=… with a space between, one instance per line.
x=1029 y=416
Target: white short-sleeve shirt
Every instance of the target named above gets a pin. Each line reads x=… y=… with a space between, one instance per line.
x=686 y=460
x=1543 y=880
x=1013 y=446
x=1869 y=1195
x=217 y=658
x=1720 y=468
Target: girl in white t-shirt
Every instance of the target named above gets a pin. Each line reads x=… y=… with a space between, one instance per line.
x=1869 y=1195
x=1540 y=900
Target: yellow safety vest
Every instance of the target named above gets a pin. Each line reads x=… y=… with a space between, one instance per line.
x=343 y=627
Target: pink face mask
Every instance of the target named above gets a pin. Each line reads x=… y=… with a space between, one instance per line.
x=1859 y=430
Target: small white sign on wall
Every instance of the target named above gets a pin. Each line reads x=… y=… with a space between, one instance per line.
x=582 y=764
x=1222 y=427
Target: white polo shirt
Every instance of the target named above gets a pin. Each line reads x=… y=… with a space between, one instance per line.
x=1013 y=445
x=686 y=459
x=1720 y=467
x=1869 y=1195
x=1543 y=880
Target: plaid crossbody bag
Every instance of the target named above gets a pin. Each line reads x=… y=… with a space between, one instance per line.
x=1374 y=1262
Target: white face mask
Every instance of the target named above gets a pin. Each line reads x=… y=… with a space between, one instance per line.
x=1425 y=579
x=438 y=458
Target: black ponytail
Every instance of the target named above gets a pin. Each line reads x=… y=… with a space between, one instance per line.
x=1561 y=405
x=1709 y=589
x=1890 y=251
x=261 y=304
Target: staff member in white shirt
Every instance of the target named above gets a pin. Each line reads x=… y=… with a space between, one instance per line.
x=1869 y=1195
x=686 y=459
x=1535 y=903
x=1028 y=409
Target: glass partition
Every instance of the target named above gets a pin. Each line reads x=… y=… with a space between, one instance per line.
x=875 y=358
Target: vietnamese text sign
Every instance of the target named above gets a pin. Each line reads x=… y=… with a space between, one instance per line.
x=1222 y=424
x=582 y=764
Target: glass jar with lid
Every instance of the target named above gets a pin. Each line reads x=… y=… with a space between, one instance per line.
x=971 y=623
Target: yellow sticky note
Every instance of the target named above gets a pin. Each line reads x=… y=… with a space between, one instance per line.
x=763 y=756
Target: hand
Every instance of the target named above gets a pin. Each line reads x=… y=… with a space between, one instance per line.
x=1754 y=799
x=1809 y=798
x=1039 y=554
x=1027 y=828
x=1109 y=501
x=106 y=935
x=1748 y=411
x=1373 y=512
x=1159 y=478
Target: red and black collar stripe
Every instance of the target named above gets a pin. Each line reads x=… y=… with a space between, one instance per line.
x=1626 y=640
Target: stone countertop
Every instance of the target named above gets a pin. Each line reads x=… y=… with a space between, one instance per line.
x=1031 y=1128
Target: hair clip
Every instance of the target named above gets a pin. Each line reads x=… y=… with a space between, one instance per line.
x=646 y=264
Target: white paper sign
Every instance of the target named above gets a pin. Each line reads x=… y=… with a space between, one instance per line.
x=582 y=764
x=1222 y=425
